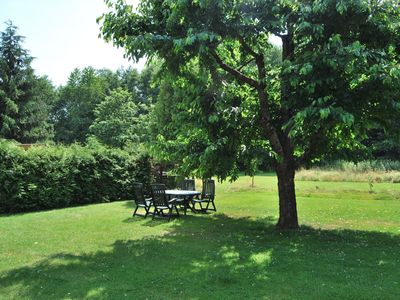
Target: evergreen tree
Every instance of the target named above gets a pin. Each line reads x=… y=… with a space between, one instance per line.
x=16 y=76
x=24 y=98
x=34 y=121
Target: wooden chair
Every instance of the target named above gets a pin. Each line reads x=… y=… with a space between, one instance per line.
x=140 y=200
x=207 y=196
x=161 y=203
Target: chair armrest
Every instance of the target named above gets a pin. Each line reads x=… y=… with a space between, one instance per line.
x=149 y=199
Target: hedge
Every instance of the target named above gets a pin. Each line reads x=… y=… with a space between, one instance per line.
x=47 y=177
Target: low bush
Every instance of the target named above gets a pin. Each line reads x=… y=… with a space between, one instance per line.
x=47 y=177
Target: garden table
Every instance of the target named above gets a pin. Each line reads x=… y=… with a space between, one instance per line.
x=186 y=195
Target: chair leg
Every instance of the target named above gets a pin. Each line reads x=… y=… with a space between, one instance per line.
x=215 y=209
x=134 y=213
x=170 y=214
x=177 y=212
x=147 y=211
x=150 y=211
x=191 y=206
x=155 y=212
x=185 y=207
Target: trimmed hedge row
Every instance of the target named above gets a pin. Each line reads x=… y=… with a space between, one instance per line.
x=47 y=177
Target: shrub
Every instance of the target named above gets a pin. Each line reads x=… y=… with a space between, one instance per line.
x=46 y=177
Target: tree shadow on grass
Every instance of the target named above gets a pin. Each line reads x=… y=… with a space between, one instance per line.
x=220 y=257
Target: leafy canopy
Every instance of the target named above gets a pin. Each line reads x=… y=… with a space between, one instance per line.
x=338 y=77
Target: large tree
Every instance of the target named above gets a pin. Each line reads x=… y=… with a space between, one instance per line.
x=34 y=121
x=339 y=72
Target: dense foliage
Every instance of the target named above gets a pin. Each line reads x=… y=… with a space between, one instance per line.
x=81 y=109
x=74 y=110
x=46 y=177
x=117 y=120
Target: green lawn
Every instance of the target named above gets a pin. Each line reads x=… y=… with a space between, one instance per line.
x=348 y=248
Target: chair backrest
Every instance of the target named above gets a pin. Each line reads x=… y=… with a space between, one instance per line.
x=138 y=194
x=208 y=190
x=158 y=192
x=188 y=184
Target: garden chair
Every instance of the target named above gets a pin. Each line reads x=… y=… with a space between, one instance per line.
x=188 y=184
x=207 y=196
x=161 y=203
x=140 y=200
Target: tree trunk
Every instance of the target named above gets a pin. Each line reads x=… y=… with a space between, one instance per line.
x=287 y=197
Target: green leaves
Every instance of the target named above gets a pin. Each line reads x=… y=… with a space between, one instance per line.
x=324 y=113
x=306 y=69
x=347 y=118
x=341 y=7
x=47 y=177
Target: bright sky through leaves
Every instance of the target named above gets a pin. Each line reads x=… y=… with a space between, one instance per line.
x=62 y=35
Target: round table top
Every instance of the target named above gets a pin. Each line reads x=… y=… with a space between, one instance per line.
x=182 y=192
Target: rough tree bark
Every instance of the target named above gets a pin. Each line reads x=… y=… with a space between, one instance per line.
x=287 y=196
x=286 y=168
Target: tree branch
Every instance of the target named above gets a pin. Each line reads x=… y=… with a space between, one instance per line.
x=235 y=73
x=247 y=48
x=269 y=129
x=245 y=64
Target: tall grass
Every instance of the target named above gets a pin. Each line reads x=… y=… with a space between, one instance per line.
x=364 y=171
x=361 y=167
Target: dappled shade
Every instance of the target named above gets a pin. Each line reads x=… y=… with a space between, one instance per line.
x=221 y=257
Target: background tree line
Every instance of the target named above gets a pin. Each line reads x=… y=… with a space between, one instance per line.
x=127 y=108
x=112 y=107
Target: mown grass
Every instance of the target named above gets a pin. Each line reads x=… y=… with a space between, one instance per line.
x=347 y=248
